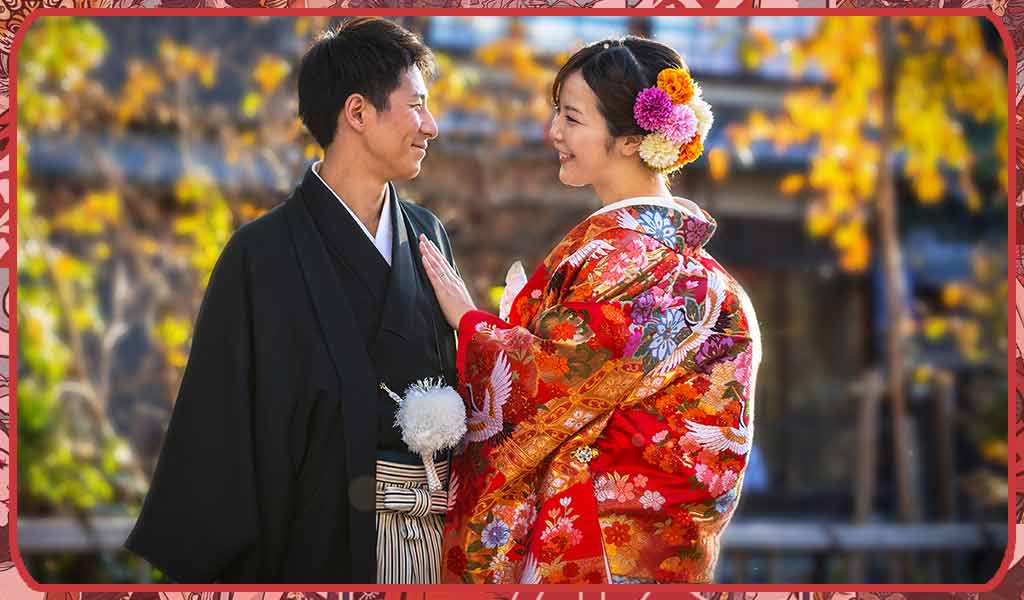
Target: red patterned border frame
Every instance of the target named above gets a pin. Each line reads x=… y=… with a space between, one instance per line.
x=13 y=15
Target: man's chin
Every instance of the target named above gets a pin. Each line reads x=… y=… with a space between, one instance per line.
x=411 y=173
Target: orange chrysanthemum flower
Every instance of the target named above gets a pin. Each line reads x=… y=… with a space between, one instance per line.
x=551 y=364
x=563 y=331
x=677 y=83
x=613 y=314
x=688 y=153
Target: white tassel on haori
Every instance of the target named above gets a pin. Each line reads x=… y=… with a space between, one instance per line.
x=432 y=418
x=515 y=281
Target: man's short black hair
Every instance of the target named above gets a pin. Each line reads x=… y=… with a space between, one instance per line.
x=364 y=55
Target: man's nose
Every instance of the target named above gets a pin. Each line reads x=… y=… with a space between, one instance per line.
x=429 y=126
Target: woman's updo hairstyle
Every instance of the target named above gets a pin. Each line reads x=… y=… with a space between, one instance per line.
x=644 y=88
x=617 y=70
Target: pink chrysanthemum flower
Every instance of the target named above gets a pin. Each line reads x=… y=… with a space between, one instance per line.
x=681 y=125
x=652 y=108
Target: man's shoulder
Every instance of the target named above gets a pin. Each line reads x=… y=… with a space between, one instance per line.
x=427 y=223
x=261 y=240
x=263 y=228
x=420 y=213
x=424 y=221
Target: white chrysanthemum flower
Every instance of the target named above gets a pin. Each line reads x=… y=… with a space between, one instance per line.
x=704 y=116
x=658 y=151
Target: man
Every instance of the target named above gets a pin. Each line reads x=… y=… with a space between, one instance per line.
x=281 y=456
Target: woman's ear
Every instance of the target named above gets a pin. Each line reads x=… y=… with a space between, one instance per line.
x=629 y=144
x=355 y=112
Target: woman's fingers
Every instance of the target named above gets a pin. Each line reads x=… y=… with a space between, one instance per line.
x=448 y=285
x=425 y=250
x=434 y=269
x=426 y=247
x=433 y=255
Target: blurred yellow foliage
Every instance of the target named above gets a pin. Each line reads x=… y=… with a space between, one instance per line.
x=148 y=246
x=718 y=163
x=983 y=267
x=54 y=60
x=207 y=71
x=92 y=216
x=995 y=450
x=757 y=46
x=848 y=234
x=247 y=211
x=101 y=251
x=192 y=187
x=819 y=220
x=935 y=328
x=269 y=72
x=857 y=257
x=143 y=82
x=209 y=222
x=953 y=294
x=172 y=331
x=494 y=294
x=251 y=104
x=181 y=61
x=942 y=71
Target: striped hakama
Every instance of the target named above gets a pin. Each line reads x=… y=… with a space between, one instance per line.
x=410 y=523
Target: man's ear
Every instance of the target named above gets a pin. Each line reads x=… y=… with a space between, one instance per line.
x=355 y=112
x=629 y=144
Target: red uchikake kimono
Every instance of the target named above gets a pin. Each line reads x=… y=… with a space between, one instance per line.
x=611 y=416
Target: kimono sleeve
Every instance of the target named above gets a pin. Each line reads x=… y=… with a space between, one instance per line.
x=560 y=407
x=200 y=514
x=707 y=427
x=669 y=473
x=573 y=363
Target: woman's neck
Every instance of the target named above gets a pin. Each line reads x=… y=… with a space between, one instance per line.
x=644 y=184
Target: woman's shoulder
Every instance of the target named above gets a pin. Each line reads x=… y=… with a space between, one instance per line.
x=734 y=300
x=677 y=223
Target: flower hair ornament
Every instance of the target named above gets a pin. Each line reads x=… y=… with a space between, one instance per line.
x=677 y=119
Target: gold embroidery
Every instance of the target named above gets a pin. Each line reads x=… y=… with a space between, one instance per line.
x=584 y=454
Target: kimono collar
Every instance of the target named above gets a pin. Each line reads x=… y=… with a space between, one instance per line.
x=382 y=239
x=343 y=236
x=677 y=222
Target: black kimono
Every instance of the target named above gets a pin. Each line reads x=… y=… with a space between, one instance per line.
x=267 y=469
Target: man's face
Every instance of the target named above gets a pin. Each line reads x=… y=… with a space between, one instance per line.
x=397 y=137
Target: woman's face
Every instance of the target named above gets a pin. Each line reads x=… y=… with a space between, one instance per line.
x=579 y=133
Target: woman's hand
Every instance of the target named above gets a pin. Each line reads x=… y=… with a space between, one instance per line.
x=449 y=288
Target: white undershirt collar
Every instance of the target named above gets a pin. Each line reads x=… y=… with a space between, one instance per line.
x=382 y=241
x=675 y=203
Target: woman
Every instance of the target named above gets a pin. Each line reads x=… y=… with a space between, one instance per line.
x=610 y=416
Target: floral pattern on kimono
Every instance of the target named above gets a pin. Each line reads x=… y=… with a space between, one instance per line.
x=610 y=417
